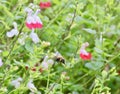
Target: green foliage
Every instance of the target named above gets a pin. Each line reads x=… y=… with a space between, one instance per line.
x=67 y=24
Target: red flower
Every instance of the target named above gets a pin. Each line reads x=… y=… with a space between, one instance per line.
x=26 y=67
x=118 y=72
x=41 y=70
x=44 y=5
x=86 y=57
x=34 y=25
x=37 y=64
x=33 y=69
x=83 y=53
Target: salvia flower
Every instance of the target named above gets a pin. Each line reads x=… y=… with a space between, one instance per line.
x=83 y=53
x=33 y=21
x=34 y=37
x=1 y=63
x=16 y=83
x=0 y=51
x=44 y=5
x=31 y=86
x=47 y=63
x=13 y=32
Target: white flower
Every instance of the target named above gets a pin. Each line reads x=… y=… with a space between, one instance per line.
x=13 y=32
x=0 y=51
x=44 y=63
x=47 y=63
x=31 y=86
x=1 y=63
x=29 y=18
x=34 y=37
x=16 y=83
x=28 y=10
x=36 y=18
x=50 y=62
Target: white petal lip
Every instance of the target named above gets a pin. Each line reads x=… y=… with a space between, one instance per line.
x=12 y=33
x=47 y=63
x=34 y=37
x=16 y=83
x=1 y=63
x=44 y=65
x=31 y=86
x=83 y=47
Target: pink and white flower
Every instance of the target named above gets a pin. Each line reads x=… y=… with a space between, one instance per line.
x=13 y=32
x=33 y=21
x=83 y=53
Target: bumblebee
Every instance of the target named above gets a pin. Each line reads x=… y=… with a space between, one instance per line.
x=59 y=58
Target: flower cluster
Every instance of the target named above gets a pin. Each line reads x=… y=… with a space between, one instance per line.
x=33 y=22
x=45 y=65
x=17 y=82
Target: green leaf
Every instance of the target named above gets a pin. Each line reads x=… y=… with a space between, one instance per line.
x=89 y=30
x=5 y=53
x=29 y=47
x=94 y=65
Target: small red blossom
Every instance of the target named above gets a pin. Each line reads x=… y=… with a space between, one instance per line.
x=26 y=67
x=41 y=70
x=83 y=53
x=37 y=64
x=44 y=5
x=118 y=72
x=34 y=25
x=33 y=69
x=86 y=57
